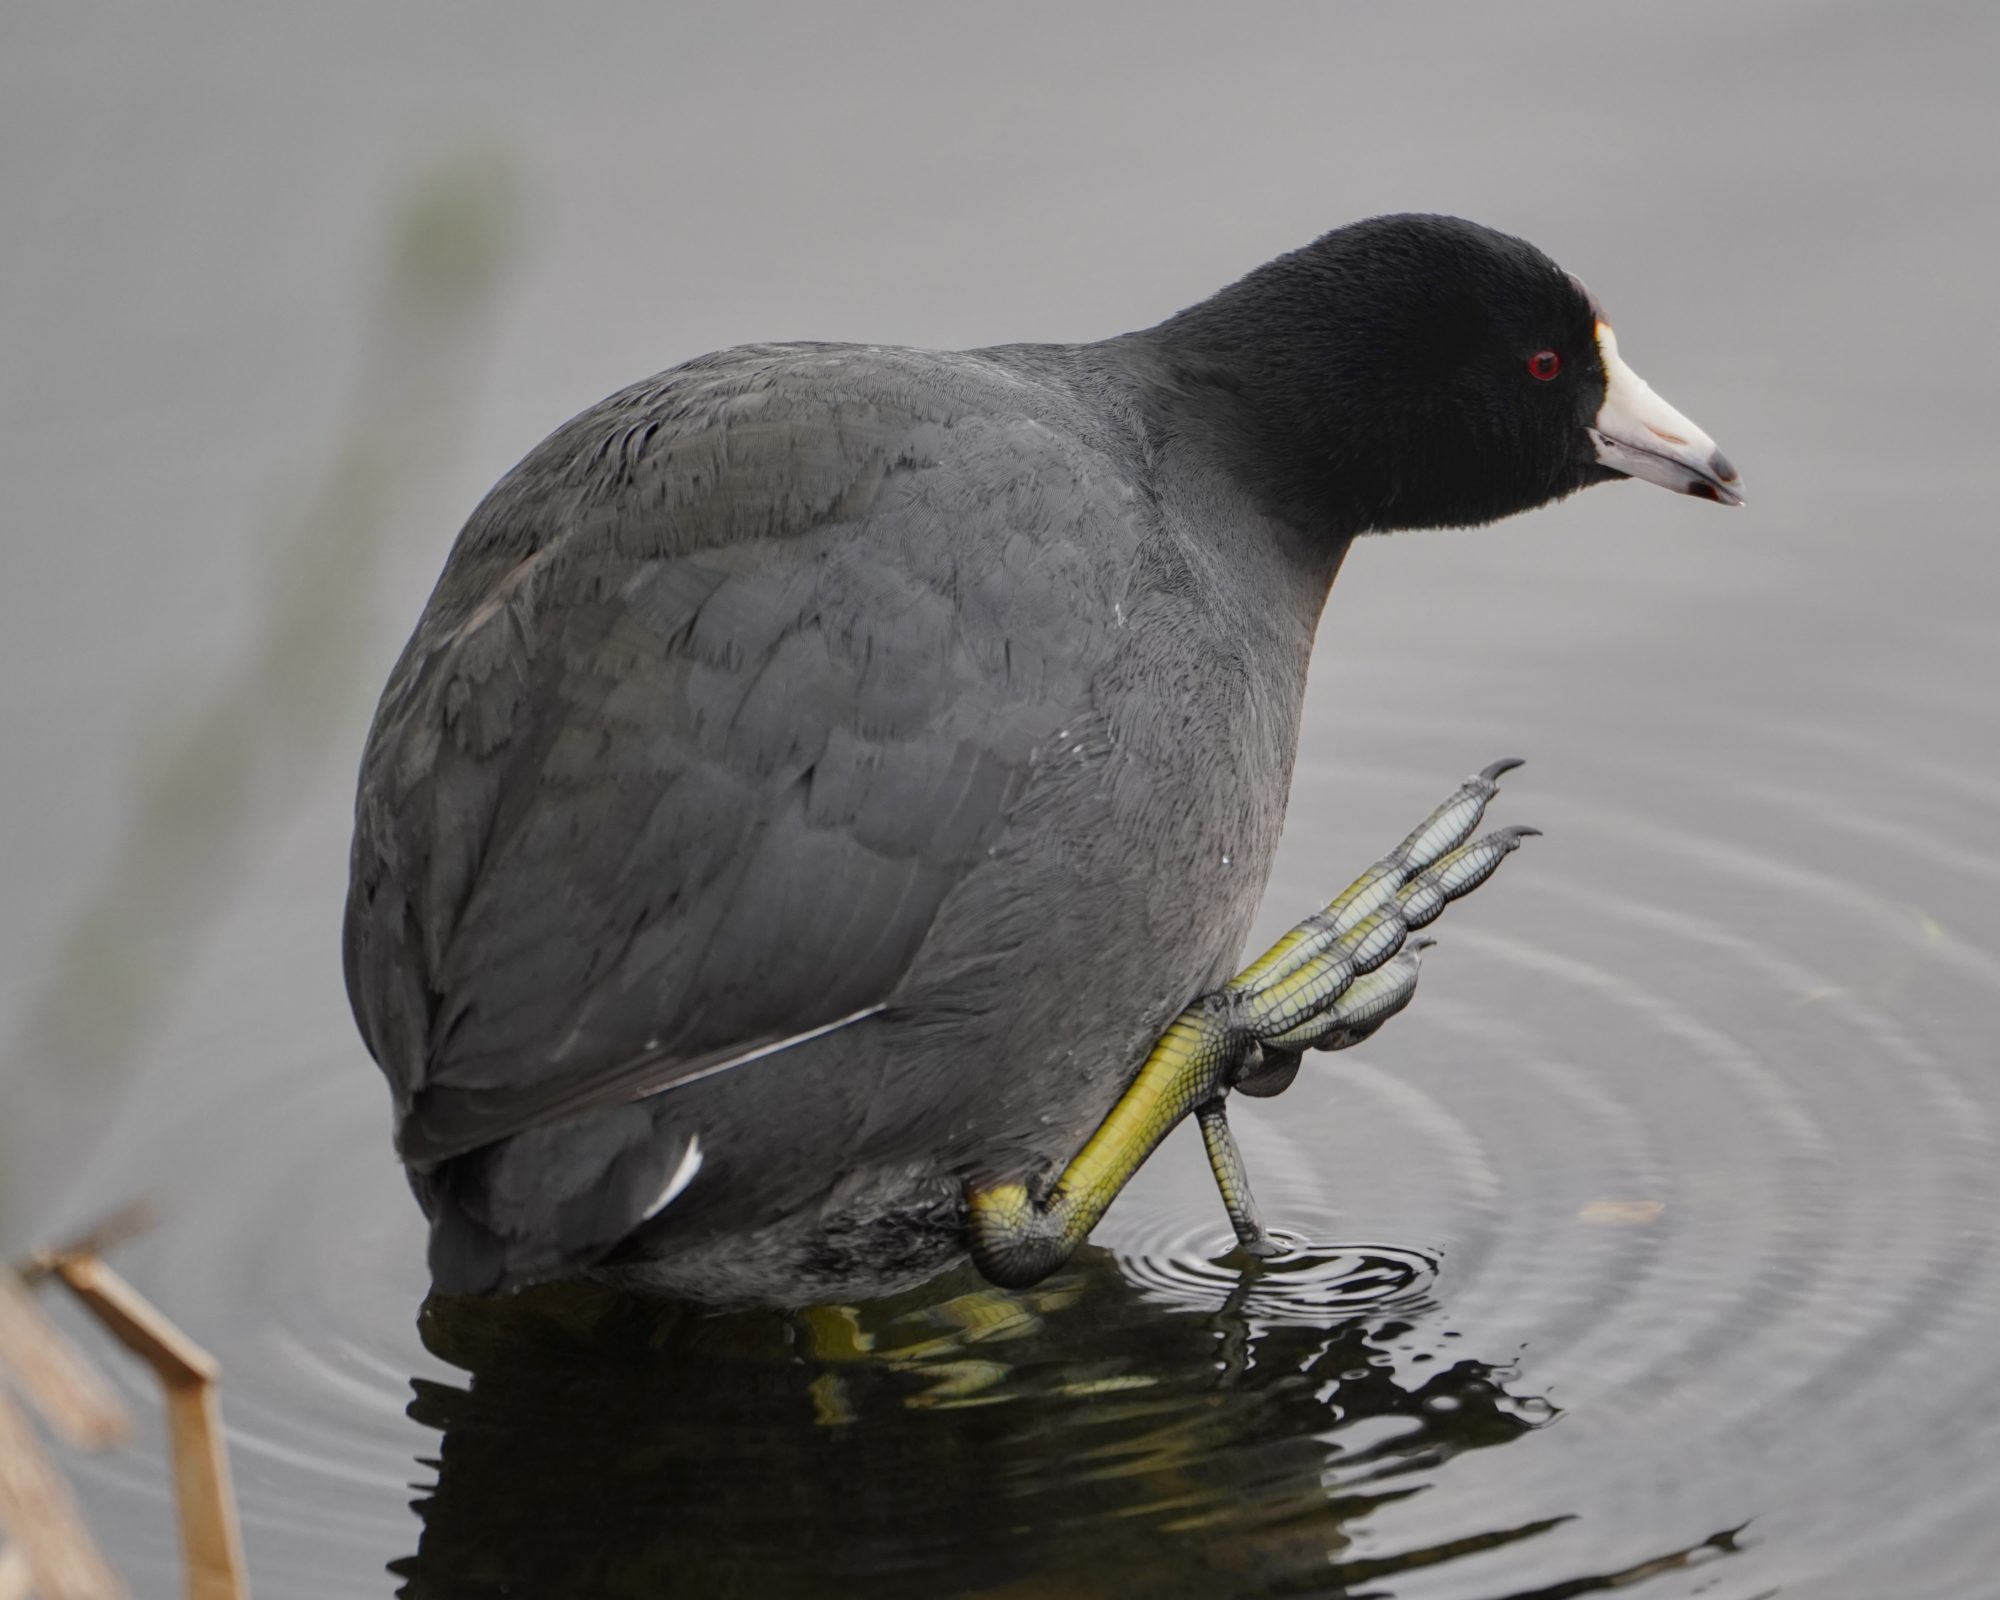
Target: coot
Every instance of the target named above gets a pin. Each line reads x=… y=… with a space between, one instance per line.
x=806 y=834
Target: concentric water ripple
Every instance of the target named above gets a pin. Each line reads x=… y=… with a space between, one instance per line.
x=1652 y=1246
x=1311 y=1284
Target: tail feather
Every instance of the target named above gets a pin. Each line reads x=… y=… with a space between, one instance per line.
x=551 y=1202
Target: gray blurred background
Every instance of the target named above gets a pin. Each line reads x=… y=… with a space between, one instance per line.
x=284 y=288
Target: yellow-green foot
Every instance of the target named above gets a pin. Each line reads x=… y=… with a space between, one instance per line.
x=1327 y=984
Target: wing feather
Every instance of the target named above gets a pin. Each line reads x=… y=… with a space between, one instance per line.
x=722 y=692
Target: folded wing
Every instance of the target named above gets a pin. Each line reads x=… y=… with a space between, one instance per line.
x=722 y=692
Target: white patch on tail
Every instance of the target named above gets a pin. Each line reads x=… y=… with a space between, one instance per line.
x=683 y=1176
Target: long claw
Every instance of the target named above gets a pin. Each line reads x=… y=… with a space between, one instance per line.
x=1444 y=830
x=1452 y=823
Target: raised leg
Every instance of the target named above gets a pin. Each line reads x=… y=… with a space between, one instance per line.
x=1327 y=984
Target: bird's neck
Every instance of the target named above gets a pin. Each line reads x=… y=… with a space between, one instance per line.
x=1229 y=413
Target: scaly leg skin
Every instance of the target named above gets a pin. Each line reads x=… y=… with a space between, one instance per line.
x=1231 y=1177
x=1329 y=983
x=1369 y=1001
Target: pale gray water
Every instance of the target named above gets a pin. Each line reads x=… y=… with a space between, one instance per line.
x=1682 y=1171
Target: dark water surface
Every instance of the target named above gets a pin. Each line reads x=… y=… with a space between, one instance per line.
x=1654 y=1248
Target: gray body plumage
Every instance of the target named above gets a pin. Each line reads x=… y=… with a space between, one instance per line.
x=797 y=682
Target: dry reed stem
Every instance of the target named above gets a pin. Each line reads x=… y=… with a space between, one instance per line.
x=72 y=1395
x=38 y=1511
x=211 y=1542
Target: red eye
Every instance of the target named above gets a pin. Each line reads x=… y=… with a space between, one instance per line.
x=1544 y=365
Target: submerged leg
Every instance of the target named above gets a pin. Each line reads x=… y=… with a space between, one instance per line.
x=1327 y=984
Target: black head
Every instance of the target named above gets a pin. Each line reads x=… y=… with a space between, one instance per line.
x=1422 y=371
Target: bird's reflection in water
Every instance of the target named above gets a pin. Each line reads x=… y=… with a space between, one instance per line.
x=1083 y=1437
x=1090 y=1436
